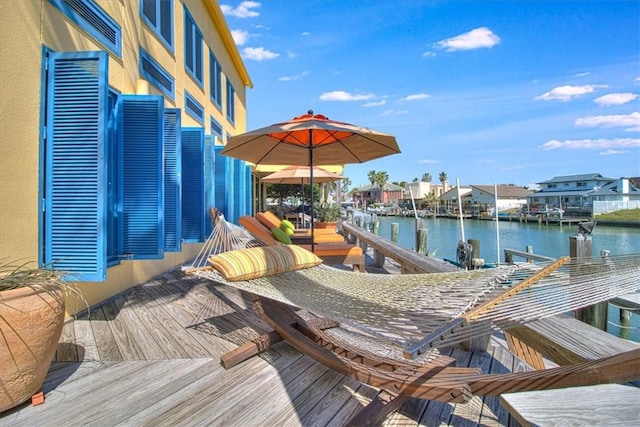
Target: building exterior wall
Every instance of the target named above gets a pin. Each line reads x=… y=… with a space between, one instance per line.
x=26 y=27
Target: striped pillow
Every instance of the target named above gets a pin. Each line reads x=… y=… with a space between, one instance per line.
x=252 y=263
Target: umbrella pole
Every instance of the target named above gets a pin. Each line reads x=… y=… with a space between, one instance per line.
x=313 y=248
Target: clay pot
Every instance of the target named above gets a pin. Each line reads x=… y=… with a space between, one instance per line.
x=31 y=320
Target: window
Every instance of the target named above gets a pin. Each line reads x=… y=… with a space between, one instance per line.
x=156 y=75
x=95 y=21
x=193 y=107
x=158 y=14
x=215 y=80
x=581 y=184
x=111 y=175
x=172 y=180
x=193 y=193
x=141 y=193
x=216 y=128
x=193 y=48
x=231 y=103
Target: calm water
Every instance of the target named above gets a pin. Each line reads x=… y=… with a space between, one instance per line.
x=551 y=240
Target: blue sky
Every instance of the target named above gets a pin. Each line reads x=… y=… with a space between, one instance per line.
x=507 y=92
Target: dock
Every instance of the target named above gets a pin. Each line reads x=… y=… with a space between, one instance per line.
x=150 y=356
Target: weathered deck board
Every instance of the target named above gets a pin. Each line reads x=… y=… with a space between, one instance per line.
x=186 y=324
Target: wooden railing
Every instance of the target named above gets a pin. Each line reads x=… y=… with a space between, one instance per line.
x=410 y=261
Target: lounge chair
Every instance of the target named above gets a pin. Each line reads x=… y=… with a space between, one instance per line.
x=396 y=325
x=331 y=253
x=321 y=235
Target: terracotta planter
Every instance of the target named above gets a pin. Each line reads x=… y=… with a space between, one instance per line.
x=31 y=321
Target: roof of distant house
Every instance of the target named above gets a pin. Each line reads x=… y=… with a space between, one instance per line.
x=505 y=191
x=573 y=178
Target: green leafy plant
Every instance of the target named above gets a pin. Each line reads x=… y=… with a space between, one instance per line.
x=327 y=212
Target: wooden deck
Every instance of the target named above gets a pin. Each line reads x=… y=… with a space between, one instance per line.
x=151 y=357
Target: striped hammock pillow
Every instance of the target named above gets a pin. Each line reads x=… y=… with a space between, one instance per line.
x=252 y=263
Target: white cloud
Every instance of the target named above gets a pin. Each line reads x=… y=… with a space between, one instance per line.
x=258 y=54
x=242 y=11
x=428 y=161
x=615 y=99
x=415 y=97
x=474 y=39
x=629 y=121
x=240 y=36
x=612 y=152
x=394 y=112
x=637 y=80
x=305 y=33
x=428 y=54
x=295 y=77
x=512 y=168
x=590 y=144
x=585 y=74
x=567 y=93
x=375 y=103
x=340 y=95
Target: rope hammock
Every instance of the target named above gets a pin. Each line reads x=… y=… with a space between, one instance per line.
x=420 y=312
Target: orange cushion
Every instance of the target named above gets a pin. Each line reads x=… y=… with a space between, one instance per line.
x=273 y=217
x=267 y=220
x=254 y=227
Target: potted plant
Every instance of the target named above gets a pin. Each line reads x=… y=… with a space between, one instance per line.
x=327 y=214
x=32 y=311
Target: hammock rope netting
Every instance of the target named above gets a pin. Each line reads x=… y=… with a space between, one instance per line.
x=420 y=312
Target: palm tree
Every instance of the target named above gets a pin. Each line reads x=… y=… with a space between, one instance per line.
x=382 y=178
x=415 y=180
x=346 y=182
x=371 y=175
x=426 y=177
x=442 y=177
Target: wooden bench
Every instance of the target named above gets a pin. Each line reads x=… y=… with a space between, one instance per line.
x=565 y=340
x=601 y=405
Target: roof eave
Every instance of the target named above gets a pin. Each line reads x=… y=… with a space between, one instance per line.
x=223 y=29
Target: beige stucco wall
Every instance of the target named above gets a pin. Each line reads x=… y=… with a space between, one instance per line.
x=27 y=25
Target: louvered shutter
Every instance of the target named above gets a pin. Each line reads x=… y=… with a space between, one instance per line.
x=140 y=122
x=193 y=195
x=75 y=177
x=249 y=190
x=225 y=186
x=209 y=178
x=172 y=181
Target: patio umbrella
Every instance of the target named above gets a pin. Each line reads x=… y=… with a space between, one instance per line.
x=301 y=175
x=308 y=140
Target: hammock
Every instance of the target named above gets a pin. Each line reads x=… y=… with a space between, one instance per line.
x=423 y=311
x=418 y=313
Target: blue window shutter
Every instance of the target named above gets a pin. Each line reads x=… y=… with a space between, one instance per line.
x=75 y=152
x=249 y=190
x=140 y=119
x=193 y=202
x=230 y=183
x=220 y=178
x=209 y=179
x=238 y=185
x=172 y=180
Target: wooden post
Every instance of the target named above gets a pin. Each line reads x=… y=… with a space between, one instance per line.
x=476 y=247
x=421 y=241
x=595 y=315
x=529 y=250
x=376 y=226
x=508 y=258
x=394 y=232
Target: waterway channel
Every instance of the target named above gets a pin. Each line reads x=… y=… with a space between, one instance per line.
x=549 y=240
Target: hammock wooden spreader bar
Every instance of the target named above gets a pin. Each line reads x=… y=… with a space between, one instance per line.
x=438 y=337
